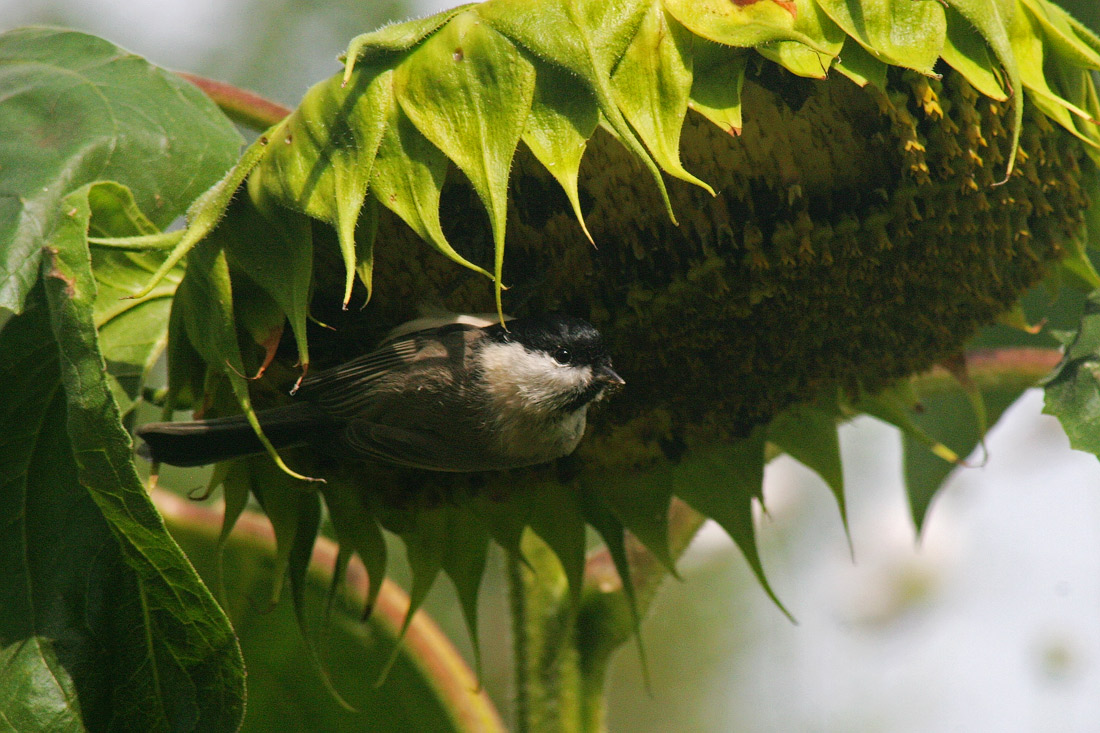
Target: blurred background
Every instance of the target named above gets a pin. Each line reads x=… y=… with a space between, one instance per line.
x=990 y=622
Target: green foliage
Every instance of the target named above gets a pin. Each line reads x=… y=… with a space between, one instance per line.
x=164 y=155
x=436 y=691
x=1073 y=390
x=423 y=112
x=94 y=587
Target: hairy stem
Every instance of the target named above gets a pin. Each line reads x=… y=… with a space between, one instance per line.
x=550 y=682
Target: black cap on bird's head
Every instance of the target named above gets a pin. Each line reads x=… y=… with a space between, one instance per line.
x=567 y=339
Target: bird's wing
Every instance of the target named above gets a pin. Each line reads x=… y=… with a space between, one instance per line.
x=415 y=448
x=347 y=390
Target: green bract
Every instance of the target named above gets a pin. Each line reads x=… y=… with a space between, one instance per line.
x=864 y=186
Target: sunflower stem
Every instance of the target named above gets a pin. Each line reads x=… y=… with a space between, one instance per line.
x=243 y=107
x=553 y=694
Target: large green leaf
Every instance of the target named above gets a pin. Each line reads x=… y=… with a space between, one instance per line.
x=69 y=470
x=1073 y=390
x=77 y=109
x=97 y=595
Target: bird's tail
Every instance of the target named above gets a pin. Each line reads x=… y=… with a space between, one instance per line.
x=199 y=442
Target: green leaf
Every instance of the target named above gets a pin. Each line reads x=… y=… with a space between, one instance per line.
x=186 y=369
x=157 y=615
x=808 y=433
x=991 y=20
x=408 y=177
x=357 y=531
x=716 y=84
x=723 y=487
x=860 y=66
x=613 y=534
x=132 y=332
x=274 y=249
x=968 y=53
x=395 y=38
x=468 y=90
x=55 y=540
x=651 y=85
x=323 y=157
x=425 y=547
x=798 y=58
x=1076 y=266
x=958 y=419
x=611 y=531
x=1068 y=39
x=600 y=517
x=279 y=499
x=257 y=313
x=207 y=210
x=464 y=563
x=119 y=112
x=950 y=417
x=429 y=688
x=640 y=500
x=1031 y=52
x=589 y=40
x=236 y=488
x=1073 y=390
x=301 y=553
x=563 y=118
x=1084 y=33
x=909 y=33
x=896 y=406
x=555 y=516
x=504 y=519
x=740 y=24
x=365 y=234
x=206 y=301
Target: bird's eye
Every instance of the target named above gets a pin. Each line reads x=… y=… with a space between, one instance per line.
x=561 y=355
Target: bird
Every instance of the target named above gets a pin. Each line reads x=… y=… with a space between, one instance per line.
x=451 y=392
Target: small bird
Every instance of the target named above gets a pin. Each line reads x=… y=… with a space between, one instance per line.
x=448 y=393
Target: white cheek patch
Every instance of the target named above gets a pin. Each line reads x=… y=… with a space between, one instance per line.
x=522 y=379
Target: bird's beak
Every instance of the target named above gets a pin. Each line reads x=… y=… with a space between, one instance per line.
x=607 y=375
